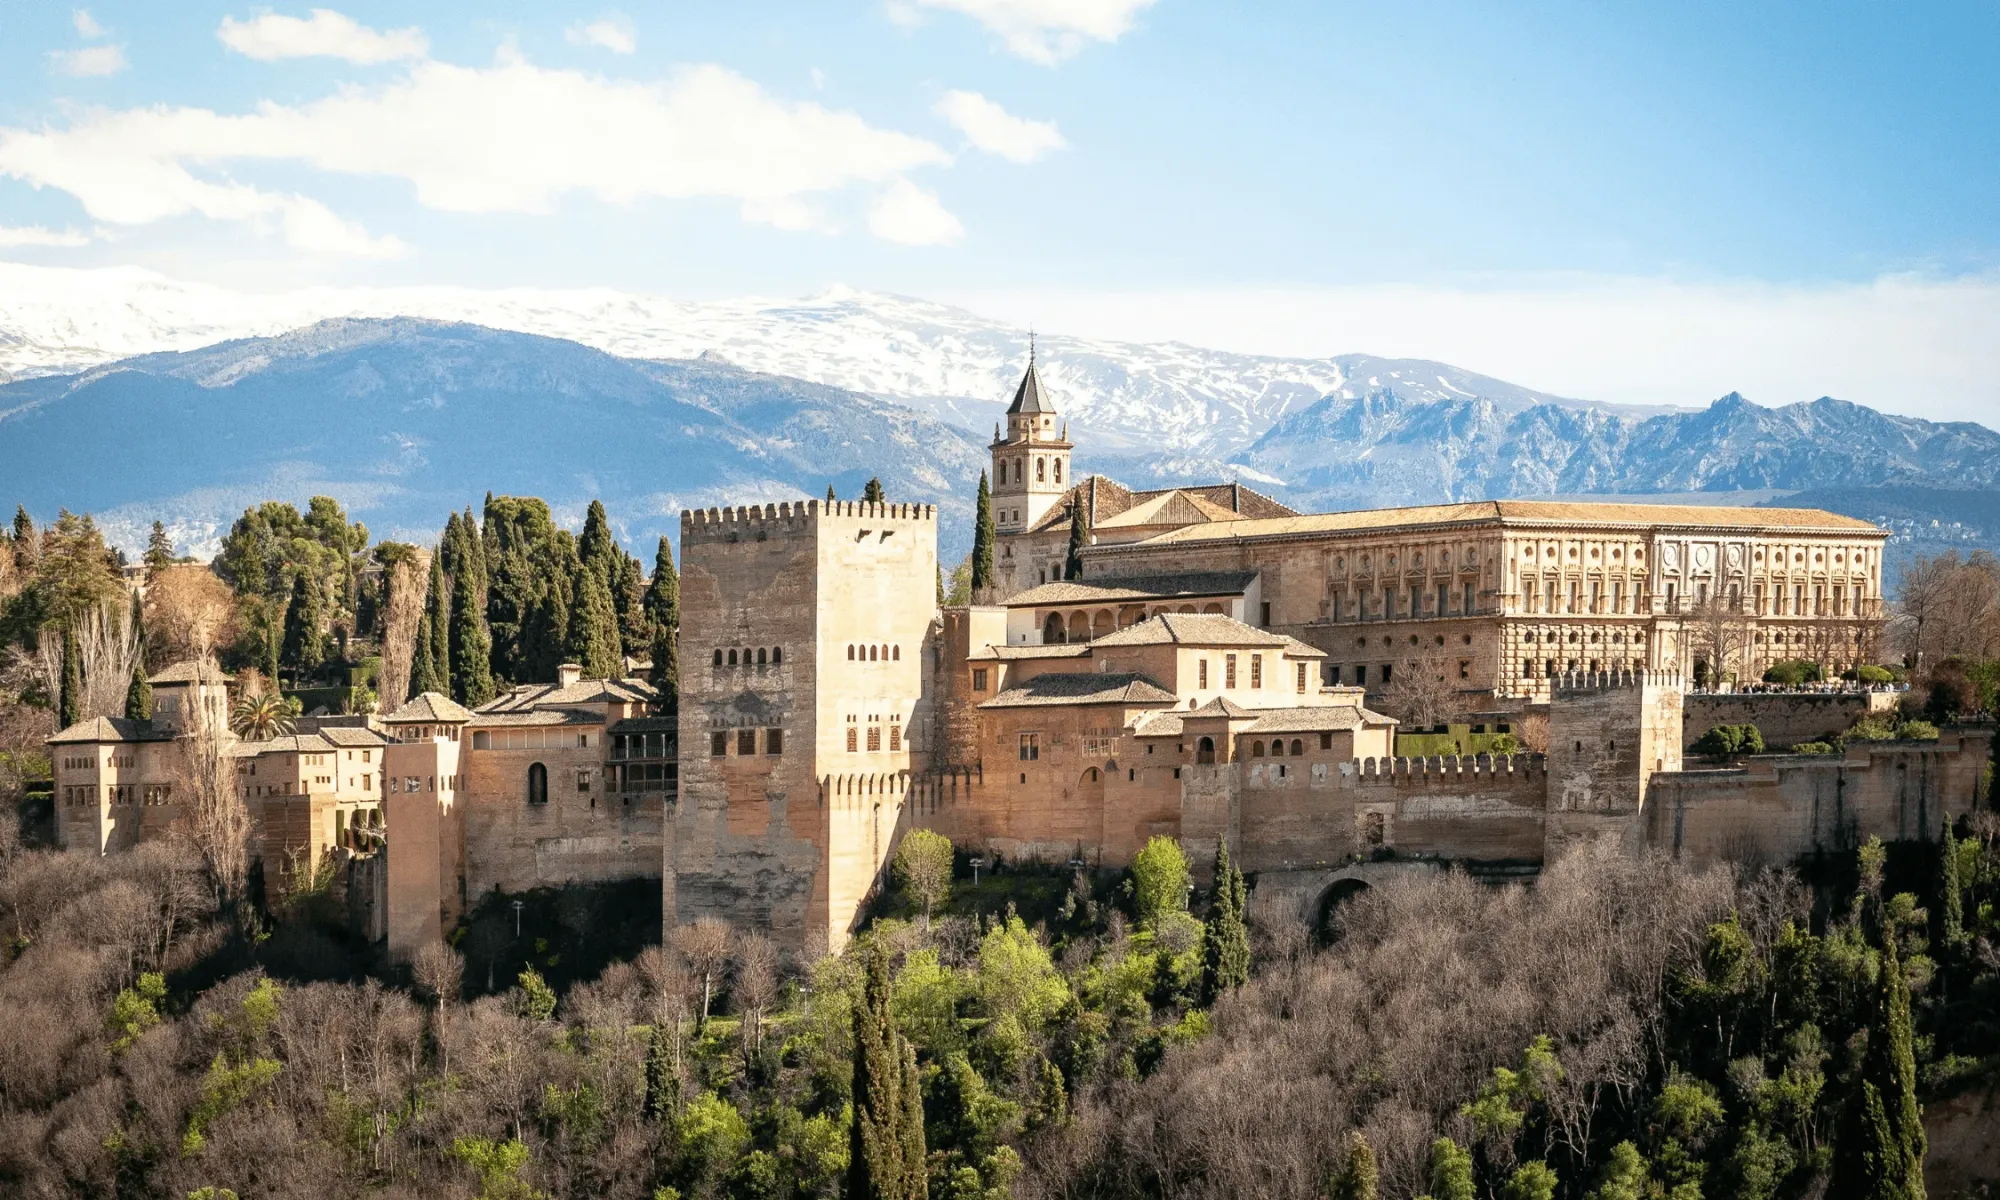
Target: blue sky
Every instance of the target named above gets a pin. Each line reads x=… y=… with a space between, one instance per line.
x=1631 y=202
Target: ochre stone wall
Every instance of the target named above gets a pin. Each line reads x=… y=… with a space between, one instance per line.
x=1777 y=809
x=1784 y=718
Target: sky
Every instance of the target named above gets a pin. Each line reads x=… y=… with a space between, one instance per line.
x=1648 y=204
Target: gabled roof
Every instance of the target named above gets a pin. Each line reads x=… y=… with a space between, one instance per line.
x=1202 y=629
x=351 y=735
x=188 y=672
x=1122 y=687
x=430 y=708
x=284 y=743
x=1175 y=508
x=1221 y=706
x=539 y=716
x=584 y=691
x=1104 y=498
x=1029 y=397
x=1189 y=584
x=1014 y=653
x=110 y=729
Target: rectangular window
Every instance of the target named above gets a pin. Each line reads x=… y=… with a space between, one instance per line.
x=1302 y=679
x=874 y=738
x=718 y=744
x=1416 y=601
x=1265 y=613
x=1326 y=741
x=1470 y=593
x=1229 y=670
x=1387 y=671
x=1444 y=598
x=1331 y=674
x=1030 y=747
x=583 y=779
x=1336 y=607
x=979 y=679
x=1618 y=597
x=774 y=741
x=1256 y=670
x=1202 y=672
x=1465 y=668
x=1360 y=674
x=746 y=742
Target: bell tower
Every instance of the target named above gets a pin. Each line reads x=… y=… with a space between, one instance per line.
x=1031 y=460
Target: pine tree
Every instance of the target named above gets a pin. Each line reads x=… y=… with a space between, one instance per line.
x=593 y=628
x=1226 y=940
x=426 y=675
x=1357 y=1178
x=24 y=525
x=304 y=647
x=1079 y=537
x=139 y=697
x=886 y=1159
x=159 y=551
x=470 y=648
x=1879 y=1150
x=982 y=542
x=872 y=492
x=69 y=700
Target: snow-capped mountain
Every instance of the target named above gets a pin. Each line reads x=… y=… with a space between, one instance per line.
x=1169 y=401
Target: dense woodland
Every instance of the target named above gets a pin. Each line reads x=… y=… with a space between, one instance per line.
x=1619 y=1030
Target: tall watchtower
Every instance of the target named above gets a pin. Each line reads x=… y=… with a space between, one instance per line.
x=803 y=697
x=1031 y=461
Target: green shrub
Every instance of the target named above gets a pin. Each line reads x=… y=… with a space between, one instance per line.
x=1792 y=671
x=1813 y=748
x=1916 y=731
x=1724 y=740
x=1871 y=729
x=1875 y=675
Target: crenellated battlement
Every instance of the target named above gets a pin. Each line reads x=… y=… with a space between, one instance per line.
x=1444 y=770
x=792 y=517
x=1604 y=681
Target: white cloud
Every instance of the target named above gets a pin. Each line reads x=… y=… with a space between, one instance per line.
x=613 y=33
x=86 y=25
x=88 y=61
x=36 y=235
x=997 y=131
x=268 y=37
x=1041 y=31
x=911 y=215
x=1901 y=343
x=512 y=138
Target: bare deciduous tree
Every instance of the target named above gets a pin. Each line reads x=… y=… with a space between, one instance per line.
x=1425 y=690
x=755 y=988
x=189 y=613
x=705 y=945
x=1718 y=634
x=215 y=819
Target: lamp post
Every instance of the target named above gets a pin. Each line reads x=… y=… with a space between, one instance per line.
x=517 y=920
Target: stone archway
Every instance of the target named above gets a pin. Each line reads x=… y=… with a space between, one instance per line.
x=1304 y=896
x=1052 y=630
x=1327 y=927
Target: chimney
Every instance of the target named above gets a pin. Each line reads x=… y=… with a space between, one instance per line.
x=568 y=674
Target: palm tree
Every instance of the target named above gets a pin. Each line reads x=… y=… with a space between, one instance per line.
x=260 y=718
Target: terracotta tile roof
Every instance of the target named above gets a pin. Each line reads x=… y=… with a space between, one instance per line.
x=430 y=708
x=1221 y=706
x=352 y=735
x=284 y=743
x=110 y=729
x=1202 y=629
x=1526 y=512
x=1106 y=498
x=584 y=691
x=484 y=719
x=1323 y=717
x=1135 y=587
x=1174 y=508
x=646 y=725
x=1014 y=653
x=1122 y=687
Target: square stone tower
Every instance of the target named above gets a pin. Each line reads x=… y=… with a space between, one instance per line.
x=804 y=691
x=1031 y=462
x=1609 y=734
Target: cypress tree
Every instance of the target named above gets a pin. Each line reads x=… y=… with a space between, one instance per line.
x=635 y=631
x=663 y=610
x=440 y=614
x=662 y=1089
x=872 y=493
x=475 y=555
x=69 y=700
x=597 y=548
x=304 y=647
x=1951 y=899
x=593 y=628
x=426 y=673
x=1879 y=1153
x=940 y=585
x=885 y=1159
x=982 y=541
x=138 y=620
x=451 y=548
x=829 y=494
x=139 y=697
x=471 y=649
x=1226 y=940
x=1079 y=537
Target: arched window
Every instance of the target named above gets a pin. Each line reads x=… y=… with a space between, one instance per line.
x=1277 y=747
x=732 y=658
x=1052 y=630
x=1059 y=470
x=760 y=656
x=896 y=653
x=872 y=653
x=1256 y=749
x=718 y=658
x=538 y=784
x=850 y=654
x=1204 y=750
x=1041 y=470
x=1298 y=747
x=885 y=652
x=777 y=655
